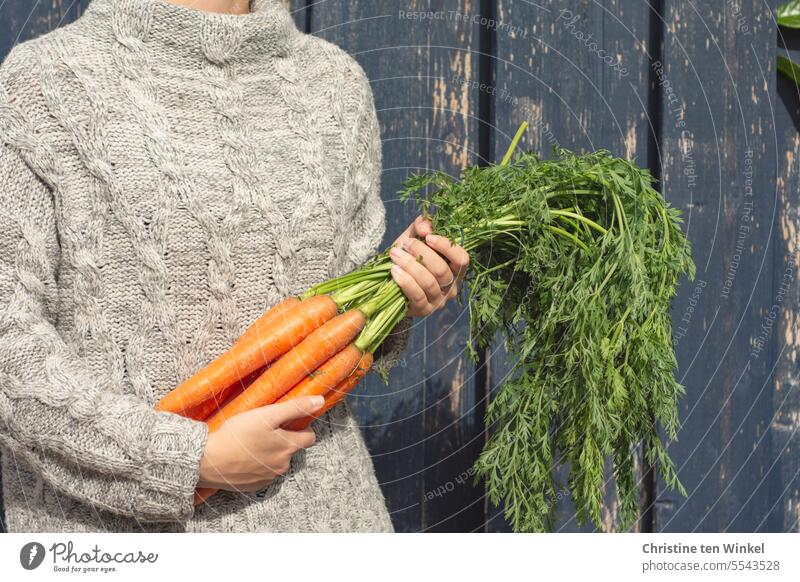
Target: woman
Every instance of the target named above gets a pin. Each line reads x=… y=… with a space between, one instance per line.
x=169 y=170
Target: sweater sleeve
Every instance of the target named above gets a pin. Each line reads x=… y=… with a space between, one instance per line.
x=80 y=434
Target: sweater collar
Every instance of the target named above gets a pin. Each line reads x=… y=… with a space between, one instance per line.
x=188 y=32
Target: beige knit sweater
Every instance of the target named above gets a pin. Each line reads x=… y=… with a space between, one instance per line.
x=165 y=175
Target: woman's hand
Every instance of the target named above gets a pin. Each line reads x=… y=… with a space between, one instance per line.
x=250 y=450
x=427 y=271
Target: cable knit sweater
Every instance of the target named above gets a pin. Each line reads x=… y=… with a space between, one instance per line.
x=166 y=174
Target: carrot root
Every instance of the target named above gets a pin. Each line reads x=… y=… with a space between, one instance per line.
x=260 y=345
x=327 y=376
x=335 y=395
x=284 y=374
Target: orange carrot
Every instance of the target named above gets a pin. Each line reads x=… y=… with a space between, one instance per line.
x=309 y=355
x=203 y=493
x=252 y=351
x=205 y=409
x=335 y=395
x=350 y=361
x=257 y=327
x=327 y=376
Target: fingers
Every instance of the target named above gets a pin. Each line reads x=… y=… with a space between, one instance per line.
x=407 y=233
x=420 y=272
x=456 y=255
x=427 y=271
x=300 y=439
x=292 y=409
x=430 y=260
x=411 y=289
x=422 y=226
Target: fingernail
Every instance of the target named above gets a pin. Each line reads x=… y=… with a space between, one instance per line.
x=317 y=401
x=395 y=270
x=407 y=243
x=432 y=238
x=395 y=253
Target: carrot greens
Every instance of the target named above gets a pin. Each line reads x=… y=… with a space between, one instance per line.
x=574 y=263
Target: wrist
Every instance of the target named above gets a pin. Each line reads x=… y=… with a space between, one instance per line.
x=209 y=476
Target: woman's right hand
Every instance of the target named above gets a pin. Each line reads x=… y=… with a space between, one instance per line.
x=251 y=449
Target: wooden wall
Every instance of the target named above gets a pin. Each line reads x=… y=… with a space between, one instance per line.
x=688 y=89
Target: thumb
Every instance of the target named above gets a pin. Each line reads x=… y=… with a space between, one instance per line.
x=423 y=226
x=409 y=232
x=294 y=408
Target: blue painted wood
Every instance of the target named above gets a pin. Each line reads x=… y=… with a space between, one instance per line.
x=719 y=166
x=20 y=21
x=784 y=483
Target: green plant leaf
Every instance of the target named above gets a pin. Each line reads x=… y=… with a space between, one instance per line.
x=790 y=69
x=789 y=14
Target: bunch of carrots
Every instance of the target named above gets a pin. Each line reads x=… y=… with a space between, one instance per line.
x=317 y=344
x=574 y=262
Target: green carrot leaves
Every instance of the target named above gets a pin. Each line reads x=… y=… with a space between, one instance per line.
x=575 y=262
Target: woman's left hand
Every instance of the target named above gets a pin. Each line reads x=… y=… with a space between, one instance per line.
x=428 y=271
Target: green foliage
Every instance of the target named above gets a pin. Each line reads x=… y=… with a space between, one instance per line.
x=575 y=262
x=789 y=14
x=789 y=17
x=790 y=69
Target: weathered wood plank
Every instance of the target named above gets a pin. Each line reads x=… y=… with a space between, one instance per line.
x=21 y=21
x=784 y=493
x=300 y=11
x=577 y=72
x=419 y=428
x=718 y=157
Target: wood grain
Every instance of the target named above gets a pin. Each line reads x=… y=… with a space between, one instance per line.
x=719 y=159
x=784 y=490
